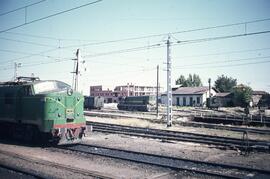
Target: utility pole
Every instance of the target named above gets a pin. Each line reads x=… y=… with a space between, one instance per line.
x=157 y=88
x=209 y=82
x=209 y=100
x=128 y=89
x=75 y=80
x=16 y=66
x=169 y=84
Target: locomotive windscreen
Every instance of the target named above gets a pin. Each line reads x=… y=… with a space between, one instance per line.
x=49 y=86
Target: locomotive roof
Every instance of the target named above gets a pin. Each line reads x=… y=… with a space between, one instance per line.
x=20 y=83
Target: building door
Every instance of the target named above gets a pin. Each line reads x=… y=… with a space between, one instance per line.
x=190 y=101
x=184 y=101
x=177 y=101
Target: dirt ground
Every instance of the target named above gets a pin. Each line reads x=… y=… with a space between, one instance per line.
x=180 y=149
x=107 y=167
x=122 y=169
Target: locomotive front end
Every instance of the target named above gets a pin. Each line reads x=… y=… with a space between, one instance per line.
x=63 y=119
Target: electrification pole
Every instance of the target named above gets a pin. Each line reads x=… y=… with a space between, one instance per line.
x=157 y=89
x=16 y=66
x=75 y=80
x=209 y=88
x=169 y=84
x=78 y=55
x=209 y=82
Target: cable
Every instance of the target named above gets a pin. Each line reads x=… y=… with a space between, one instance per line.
x=222 y=53
x=220 y=37
x=160 y=45
x=126 y=50
x=101 y=54
x=215 y=62
x=45 y=37
x=142 y=37
x=52 y=15
x=28 y=56
x=26 y=42
x=179 y=43
x=21 y=8
x=241 y=64
x=177 y=32
x=215 y=54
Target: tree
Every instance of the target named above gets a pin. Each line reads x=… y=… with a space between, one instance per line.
x=242 y=95
x=181 y=80
x=225 y=84
x=191 y=81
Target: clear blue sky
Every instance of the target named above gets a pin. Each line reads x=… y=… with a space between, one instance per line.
x=244 y=58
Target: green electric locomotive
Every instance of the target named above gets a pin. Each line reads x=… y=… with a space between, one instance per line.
x=36 y=110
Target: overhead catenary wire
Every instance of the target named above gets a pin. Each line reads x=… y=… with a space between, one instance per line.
x=20 y=8
x=159 y=45
x=45 y=37
x=49 y=16
x=26 y=42
x=142 y=37
x=215 y=54
x=172 y=33
x=28 y=56
x=216 y=62
x=186 y=41
x=223 y=53
x=183 y=42
x=230 y=65
x=95 y=55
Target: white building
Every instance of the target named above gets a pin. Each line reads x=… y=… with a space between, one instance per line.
x=189 y=96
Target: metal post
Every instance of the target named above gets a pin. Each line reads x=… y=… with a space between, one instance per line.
x=15 y=71
x=157 y=89
x=128 y=89
x=76 y=71
x=78 y=54
x=209 y=81
x=16 y=66
x=169 y=86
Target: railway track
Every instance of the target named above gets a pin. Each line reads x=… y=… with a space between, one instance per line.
x=114 y=113
x=14 y=172
x=175 y=163
x=230 y=120
x=35 y=174
x=244 y=144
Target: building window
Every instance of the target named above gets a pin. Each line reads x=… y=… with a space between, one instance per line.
x=198 y=100
x=190 y=101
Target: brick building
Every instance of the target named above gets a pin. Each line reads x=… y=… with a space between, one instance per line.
x=122 y=91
